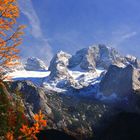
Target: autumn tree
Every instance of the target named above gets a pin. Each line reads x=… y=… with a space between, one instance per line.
x=27 y=132
x=10 y=39
x=10 y=35
x=12 y=114
x=13 y=122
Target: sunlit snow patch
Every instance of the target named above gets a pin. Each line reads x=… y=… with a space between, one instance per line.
x=36 y=77
x=28 y=74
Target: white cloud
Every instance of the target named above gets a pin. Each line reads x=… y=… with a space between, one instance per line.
x=28 y=10
x=129 y=35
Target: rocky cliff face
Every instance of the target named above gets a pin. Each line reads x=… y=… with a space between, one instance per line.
x=120 y=81
x=96 y=56
x=34 y=98
x=58 y=65
x=133 y=61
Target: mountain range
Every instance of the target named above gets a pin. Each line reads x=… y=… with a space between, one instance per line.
x=100 y=69
x=79 y=92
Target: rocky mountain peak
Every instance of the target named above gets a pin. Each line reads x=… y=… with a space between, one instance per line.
x=35 y=64
x=96 y=56
x=133 y=61
x=87 y=60
x=58 y=65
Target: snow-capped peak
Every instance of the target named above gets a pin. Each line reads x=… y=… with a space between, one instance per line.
x=35 y=64
x=82 y=70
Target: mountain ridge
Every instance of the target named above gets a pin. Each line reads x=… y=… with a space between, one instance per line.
x=81 y=93
x=87 y=67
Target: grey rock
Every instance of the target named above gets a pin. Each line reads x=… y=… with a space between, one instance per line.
x=133 y=61
x=108 y=56
x=76 y=59
x=121 y=81
x=136 y=81
x=85 y=59
x=58 y=66
x=35 y=64
x=138 y=63
x=89 y=59
x=96 y=56
x=34 y=97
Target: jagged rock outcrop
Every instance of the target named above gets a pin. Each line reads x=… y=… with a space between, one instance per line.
x=108 y=56
x=58 y=66
x=121 y=81
x=96 y=56
x=35 y=64
x=88 y=62
x=76 y=59
x=133 y=61
x=33 y=96
x=84 y=59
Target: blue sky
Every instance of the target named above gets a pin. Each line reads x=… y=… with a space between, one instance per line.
x=70 y=25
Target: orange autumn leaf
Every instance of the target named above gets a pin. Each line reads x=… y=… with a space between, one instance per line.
x=30 y=132
x=9 y=136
